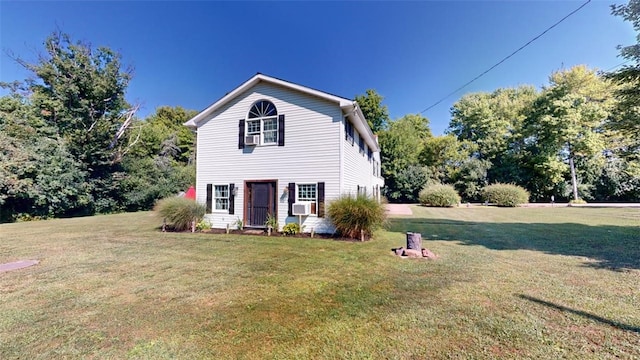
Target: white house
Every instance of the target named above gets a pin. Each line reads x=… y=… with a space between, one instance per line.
x=274 y=147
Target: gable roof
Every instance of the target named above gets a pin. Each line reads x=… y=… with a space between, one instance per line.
x=349 y=107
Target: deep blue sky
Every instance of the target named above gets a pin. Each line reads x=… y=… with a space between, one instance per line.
x=413 y=53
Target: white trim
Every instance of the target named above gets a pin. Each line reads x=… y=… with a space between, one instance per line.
x=213 y=199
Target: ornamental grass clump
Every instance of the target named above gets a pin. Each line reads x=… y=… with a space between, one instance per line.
x=356 y=216
x=180 y=212
x=439 y=195
x=505 y=195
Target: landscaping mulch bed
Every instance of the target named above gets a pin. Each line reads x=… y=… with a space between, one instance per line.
x=261 y=232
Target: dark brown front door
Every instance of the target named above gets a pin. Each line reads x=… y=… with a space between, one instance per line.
x=261 y=201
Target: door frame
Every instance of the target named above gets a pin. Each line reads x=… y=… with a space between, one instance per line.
x=246 y=204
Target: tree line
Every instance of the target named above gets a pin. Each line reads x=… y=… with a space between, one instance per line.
x=71 y=145
x=577 y=138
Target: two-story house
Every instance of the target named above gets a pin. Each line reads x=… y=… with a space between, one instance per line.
x=274 y=147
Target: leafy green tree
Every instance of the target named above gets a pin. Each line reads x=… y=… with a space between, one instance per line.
x=628 y=76
x=38 y=175
x=163 y=127
x=492 y=121
x=623 y=164
x=377 y=115
x=451 y=161
x=567 y=124
x=160 y=162
x=79 y=92
x=400 y=147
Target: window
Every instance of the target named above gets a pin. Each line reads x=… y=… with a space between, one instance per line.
x=221 y=197
x=263 y=121
x=369 y=153
x=308 y=193
x=348 y=128
x=361 y=144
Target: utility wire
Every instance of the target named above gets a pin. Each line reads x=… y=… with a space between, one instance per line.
x=506 y=58
x=613 y=67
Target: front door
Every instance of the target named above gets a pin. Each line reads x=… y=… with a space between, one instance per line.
x=261 y=201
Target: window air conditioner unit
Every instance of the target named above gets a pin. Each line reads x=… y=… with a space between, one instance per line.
x=301 y=209
x=252 y=140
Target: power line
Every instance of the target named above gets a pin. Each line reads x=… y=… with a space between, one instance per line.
x=506 y=58
x=613 y=67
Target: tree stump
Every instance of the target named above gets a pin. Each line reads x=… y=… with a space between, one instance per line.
x=414 y=241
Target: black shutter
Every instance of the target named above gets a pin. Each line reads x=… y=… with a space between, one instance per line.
x=231 y=199
x=209 y=197
x=292 y=197
x=321 y=199
x=352 y=134
x=241 y=134
x=346 y=129
x=358 y=192
x=280 y=130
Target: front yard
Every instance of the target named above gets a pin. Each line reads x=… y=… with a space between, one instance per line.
x=509 y=283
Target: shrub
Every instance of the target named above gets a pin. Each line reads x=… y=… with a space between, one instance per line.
x=291 y=229
x=439 y=195
x=203 y=225
x=577 y=202
x=180 y=212
x=505 y=195
x=353 y=215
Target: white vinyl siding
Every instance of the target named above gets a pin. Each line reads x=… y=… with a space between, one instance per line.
x=311 y=153
x=358 y=171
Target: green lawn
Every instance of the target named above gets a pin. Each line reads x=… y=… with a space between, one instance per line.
x=510 y=283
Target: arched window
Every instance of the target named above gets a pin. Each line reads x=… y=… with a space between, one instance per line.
x=263 y=121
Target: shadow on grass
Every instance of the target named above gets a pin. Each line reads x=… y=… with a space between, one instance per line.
x=609 y=247
x=585 y=314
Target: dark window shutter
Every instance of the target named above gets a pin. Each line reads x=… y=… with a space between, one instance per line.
x=241 y=134
x=346 y=129
x=209 y=197
x=321 y=199
x=231 y=199
x=292 y=197
x=358 y=192
x=352 y=134
x=280 y=130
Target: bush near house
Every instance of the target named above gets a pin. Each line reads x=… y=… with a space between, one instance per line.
x=505 y=195
x=439 y=195
x=291 y=229
x=180 y=212
x=353 y=215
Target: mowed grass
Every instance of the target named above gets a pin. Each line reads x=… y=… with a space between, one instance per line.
x=509 y=283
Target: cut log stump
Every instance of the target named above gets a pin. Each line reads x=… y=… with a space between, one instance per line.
x=414 y=241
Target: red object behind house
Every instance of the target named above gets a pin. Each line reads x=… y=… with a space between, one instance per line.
x=191 y=193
